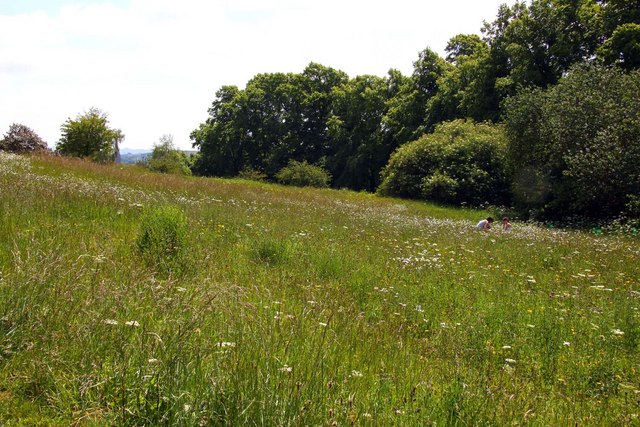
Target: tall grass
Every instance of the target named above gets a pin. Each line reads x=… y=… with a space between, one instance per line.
x=299 y=307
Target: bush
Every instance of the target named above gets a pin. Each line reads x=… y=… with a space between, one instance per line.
x=22 y=139
x=162 y=239
x=166 y=158
x=302 y=174
x=460 y=162
x=252 y=174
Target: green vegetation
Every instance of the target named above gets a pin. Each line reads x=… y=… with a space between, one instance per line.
x=162 y=239
x=302 y=174
x=300 y=307
x=352 y=126
x=90 y=136
x=577 y=144
x=460 y=162
x=166 y=158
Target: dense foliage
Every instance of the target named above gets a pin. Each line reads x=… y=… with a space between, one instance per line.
x=302 y=174
x=576 y=146
x=460 y=162
x=352 y=125
x=89 y=135
x=20 y=139
x=166 y=158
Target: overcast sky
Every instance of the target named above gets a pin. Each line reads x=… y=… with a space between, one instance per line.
x=154 y=65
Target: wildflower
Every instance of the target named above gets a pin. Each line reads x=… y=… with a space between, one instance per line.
x=510 y=360
x=223 y=344
x=132 y=323
x=110 y=322
x=286 y=368
x=356 y=374
x=566 y=343
x=617 y=332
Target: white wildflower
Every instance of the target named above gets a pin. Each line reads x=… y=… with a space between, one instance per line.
x=132 y=323
x=224 y=344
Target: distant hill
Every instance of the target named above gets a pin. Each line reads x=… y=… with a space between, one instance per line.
x=134 y=157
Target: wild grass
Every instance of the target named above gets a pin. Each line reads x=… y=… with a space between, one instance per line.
x=300 y=307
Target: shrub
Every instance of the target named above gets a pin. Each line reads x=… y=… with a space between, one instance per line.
x=303 y=174
x=162 y=239
x=22 y=139
x=252 y=174
x=166 y=158
x=460 y=162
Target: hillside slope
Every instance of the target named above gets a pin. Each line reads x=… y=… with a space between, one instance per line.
x=290 y=306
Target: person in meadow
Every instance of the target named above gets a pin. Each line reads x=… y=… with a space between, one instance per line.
x=506 y=225
x=485 y=224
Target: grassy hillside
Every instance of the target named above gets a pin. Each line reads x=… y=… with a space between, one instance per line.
x=284 y=306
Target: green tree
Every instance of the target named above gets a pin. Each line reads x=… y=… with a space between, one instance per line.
x=357 y=151
x=460 y=162
x=465 y=45
x=224 y=137
x=466 y=90
x=623 y=47
x=165 y=158
x=535 y=45
x=89 y=136
x=580 y=141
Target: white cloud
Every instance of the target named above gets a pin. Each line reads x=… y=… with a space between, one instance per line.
x=154 y=66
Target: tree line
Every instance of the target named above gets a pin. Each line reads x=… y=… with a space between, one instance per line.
x=541 y=112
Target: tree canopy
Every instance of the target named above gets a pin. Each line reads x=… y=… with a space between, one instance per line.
x=89 y=135
x=576 y=146
x=528 y=57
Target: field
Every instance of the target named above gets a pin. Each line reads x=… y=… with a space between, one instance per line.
x=285 y=306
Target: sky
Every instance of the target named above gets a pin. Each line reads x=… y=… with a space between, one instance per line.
x=153 y=66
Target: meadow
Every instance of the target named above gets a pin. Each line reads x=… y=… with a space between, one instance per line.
x=285 y=306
